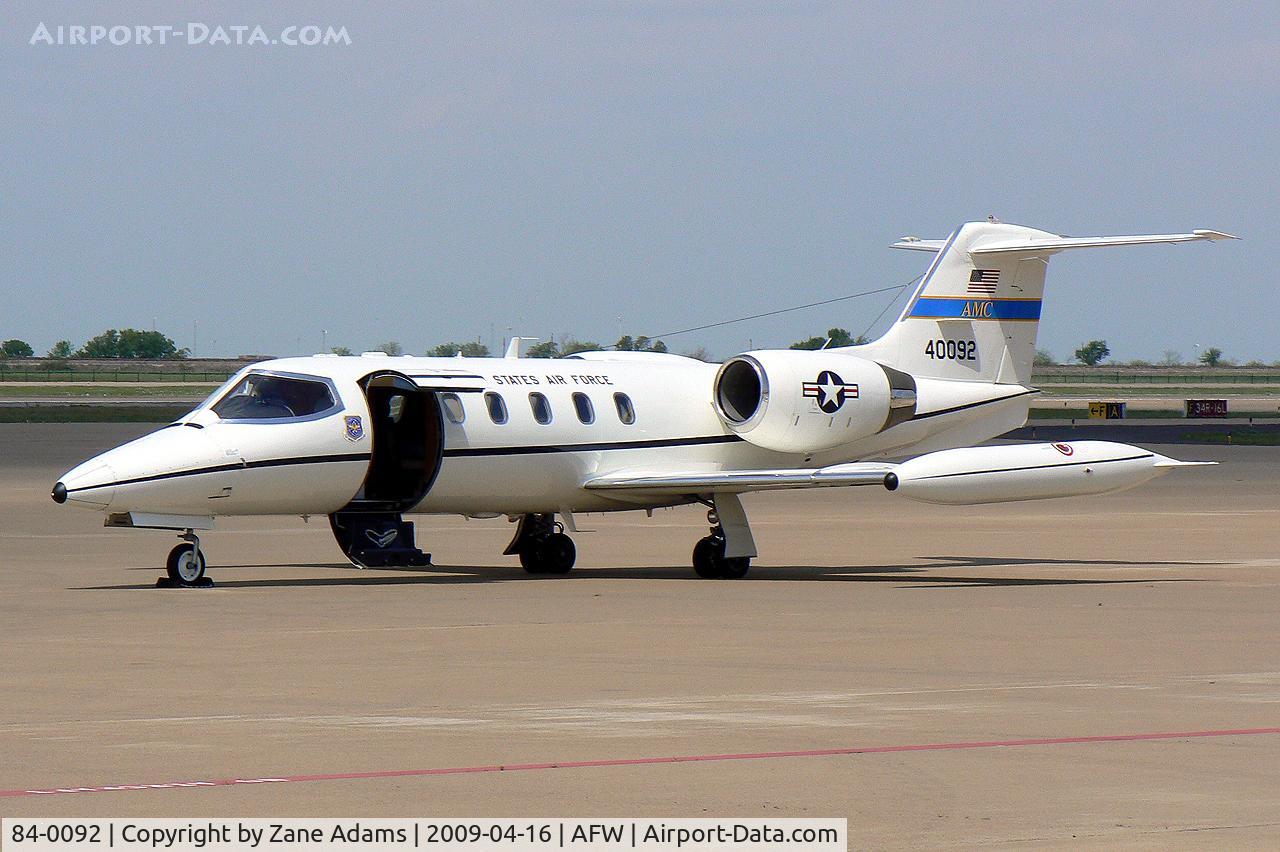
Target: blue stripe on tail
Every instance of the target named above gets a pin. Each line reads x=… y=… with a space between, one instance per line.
x=942 y=307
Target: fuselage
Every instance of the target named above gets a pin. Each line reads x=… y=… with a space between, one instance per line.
x=474 y=436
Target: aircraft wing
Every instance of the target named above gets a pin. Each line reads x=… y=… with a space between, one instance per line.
x=741 y=481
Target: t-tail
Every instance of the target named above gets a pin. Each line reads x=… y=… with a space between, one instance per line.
x=975 y=313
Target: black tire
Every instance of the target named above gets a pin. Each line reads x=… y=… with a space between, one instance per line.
x=530 y=561
x=735 y=568
x=552 y=554
x=705 y=563
x=558 y=553
x=709 y=561
x=185 y=565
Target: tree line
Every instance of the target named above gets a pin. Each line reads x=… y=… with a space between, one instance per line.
x=112 y=343
x=132 y=343
x=1094 y=352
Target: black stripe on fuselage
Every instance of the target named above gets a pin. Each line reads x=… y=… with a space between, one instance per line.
x=460 y=452
x=969 y=405
x=650 y=444
x=1037 y=467
x=221 y=468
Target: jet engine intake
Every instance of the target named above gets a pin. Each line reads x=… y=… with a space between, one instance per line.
x=807 y=401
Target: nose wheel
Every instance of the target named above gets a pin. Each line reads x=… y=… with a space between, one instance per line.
x=186 y=564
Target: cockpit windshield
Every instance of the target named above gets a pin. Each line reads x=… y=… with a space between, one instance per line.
x=261 y=396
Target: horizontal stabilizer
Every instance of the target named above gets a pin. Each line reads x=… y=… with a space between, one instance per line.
x=1035 y=246
x=1057 y=244
x=917 y=244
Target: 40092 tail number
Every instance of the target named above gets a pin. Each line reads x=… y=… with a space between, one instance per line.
x=952 y=350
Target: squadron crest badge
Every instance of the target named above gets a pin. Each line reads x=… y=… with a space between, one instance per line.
x=355 y=428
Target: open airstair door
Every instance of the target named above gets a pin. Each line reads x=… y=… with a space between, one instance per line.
x=408 y=444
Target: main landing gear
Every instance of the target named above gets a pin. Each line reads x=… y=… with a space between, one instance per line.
x=709 y=560
x=725 y=554
x=542 y=546
x=186 y=564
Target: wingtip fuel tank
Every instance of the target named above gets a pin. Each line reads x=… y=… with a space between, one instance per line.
x=1026 y=472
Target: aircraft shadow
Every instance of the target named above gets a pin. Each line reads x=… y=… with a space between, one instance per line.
x=909 y=576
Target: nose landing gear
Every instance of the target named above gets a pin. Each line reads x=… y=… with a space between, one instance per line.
x=186 y=564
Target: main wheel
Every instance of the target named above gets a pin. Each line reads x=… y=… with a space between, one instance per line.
x=710 y=562
x=553 y=554
x=735 y=568
x=558 y=553
x=704 y=558
x=185 y=565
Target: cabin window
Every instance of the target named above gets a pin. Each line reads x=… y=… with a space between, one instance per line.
x=626 y=411
x=541 y=408
x=586 y=411
x=259 y=396
x=497 y=407
x=453 y=408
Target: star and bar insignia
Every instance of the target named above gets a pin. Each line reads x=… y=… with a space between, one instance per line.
x=830 y=391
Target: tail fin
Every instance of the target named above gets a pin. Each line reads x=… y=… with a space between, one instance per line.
x=976 y=311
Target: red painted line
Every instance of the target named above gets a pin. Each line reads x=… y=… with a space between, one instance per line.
x=649 y=761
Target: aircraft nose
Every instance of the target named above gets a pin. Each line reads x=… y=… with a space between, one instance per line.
x=91 y=484
x=170 y=467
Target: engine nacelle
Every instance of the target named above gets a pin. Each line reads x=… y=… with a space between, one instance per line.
x=798 y=401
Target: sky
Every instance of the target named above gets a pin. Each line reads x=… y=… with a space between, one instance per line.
x=464 y=171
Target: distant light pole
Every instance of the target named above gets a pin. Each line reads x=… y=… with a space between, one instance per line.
x=195 y=337
x=324 y=340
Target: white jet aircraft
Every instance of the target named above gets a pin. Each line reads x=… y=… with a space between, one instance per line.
x=368 y=439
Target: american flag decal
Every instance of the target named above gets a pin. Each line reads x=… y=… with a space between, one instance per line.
x=984 y=281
